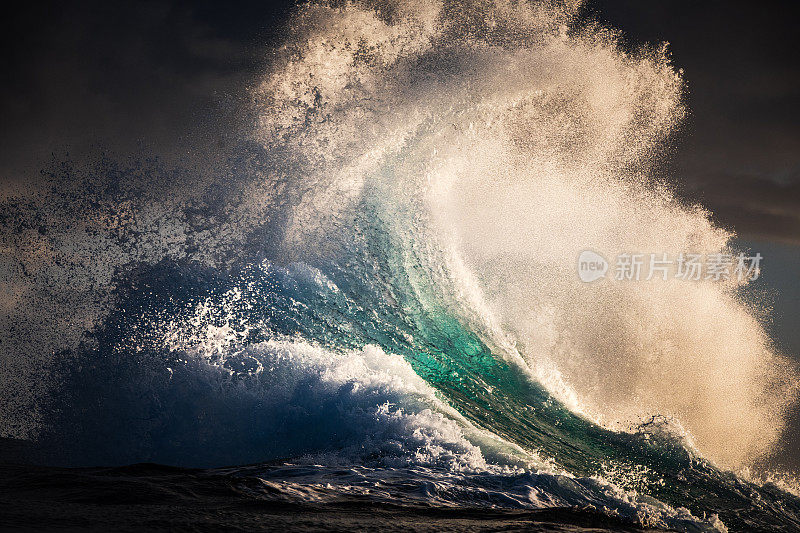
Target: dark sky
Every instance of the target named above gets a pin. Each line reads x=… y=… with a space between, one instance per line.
x=124 y=76
x=154 y=75
x=740 y=151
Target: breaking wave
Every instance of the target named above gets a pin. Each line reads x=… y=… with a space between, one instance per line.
x=385 y=277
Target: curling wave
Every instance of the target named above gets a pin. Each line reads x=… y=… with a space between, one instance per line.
x=386 y=279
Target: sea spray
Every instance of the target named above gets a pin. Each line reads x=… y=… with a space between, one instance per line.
x=387 y=280
x=500 y=139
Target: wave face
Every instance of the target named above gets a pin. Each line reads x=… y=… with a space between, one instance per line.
x=498 y=144
x=383 y=285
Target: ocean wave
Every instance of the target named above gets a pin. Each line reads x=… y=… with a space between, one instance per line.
x=383 y=282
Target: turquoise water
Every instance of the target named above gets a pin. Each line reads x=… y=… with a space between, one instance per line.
x=181 y=406
x=320 y=305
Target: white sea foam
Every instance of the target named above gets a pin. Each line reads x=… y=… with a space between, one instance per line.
x=389 y=427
